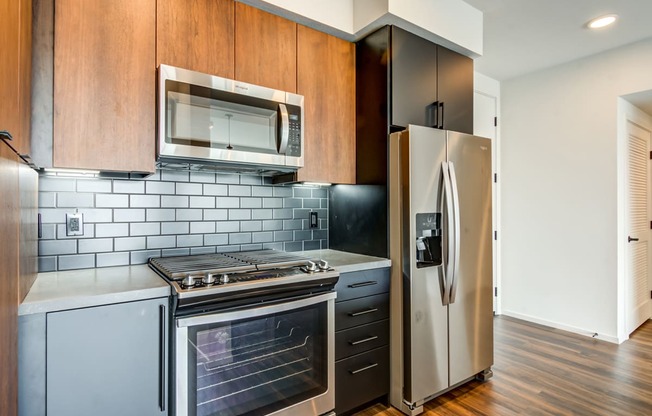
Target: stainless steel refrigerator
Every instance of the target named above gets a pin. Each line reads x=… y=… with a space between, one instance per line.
x=440 y=246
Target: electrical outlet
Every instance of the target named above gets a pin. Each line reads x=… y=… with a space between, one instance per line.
x=314 y=219
x=75 y=224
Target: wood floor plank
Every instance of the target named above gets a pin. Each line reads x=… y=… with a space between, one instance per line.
x=542 y=371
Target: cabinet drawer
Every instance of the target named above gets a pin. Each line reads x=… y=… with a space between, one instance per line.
x=363 y=283
x=361 y=311
x=361 y=338
x=361 y=378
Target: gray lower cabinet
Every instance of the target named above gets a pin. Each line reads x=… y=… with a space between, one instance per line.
x=361 y=338
x=106 y=360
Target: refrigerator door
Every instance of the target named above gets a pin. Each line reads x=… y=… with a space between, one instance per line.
x=425 y=314
x=470 y=311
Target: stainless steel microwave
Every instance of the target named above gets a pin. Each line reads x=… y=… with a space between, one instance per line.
x=209 y=122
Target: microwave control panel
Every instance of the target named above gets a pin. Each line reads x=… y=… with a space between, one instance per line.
x=294 y=140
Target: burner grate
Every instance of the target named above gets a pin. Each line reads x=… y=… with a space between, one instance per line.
x=175 y=268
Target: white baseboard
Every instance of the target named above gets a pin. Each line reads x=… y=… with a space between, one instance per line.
x=557 y=325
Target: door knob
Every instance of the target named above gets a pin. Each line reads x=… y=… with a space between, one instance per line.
x=630 y=239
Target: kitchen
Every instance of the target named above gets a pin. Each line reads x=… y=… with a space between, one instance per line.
x=119 y=228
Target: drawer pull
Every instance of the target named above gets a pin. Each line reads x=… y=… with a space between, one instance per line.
x=362 y=341
x=370 y=310
x=361 y=284
x=360 y=370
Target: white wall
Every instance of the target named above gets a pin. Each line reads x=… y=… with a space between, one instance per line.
x=559 y=189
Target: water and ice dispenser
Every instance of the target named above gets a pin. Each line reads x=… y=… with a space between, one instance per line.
x=429 y=239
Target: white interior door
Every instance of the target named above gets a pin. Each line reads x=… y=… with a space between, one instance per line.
x=484 y=124
x=637 y=289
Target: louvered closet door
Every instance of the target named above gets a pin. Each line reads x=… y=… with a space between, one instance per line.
x=637 y=290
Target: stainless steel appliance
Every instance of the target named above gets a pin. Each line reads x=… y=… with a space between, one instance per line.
x=440 y=246
x=209 y=122
x=252 y=333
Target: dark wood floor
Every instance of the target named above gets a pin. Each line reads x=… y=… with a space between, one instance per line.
x=544 y=371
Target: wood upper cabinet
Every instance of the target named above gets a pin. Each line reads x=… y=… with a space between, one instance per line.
x=196 y=35
x=15 y=71
x=104 y=85
x=326 y=78
x=265 y=49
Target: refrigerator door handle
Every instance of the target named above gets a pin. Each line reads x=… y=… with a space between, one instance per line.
x=456 y=232
x=447 y=269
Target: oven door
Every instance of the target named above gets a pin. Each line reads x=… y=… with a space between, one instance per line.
x=273 y=359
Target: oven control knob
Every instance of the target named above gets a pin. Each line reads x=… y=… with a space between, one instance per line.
x=209 y=279
x=188 y=281
x=311 y=266
x=323 y=265
x=224 y=278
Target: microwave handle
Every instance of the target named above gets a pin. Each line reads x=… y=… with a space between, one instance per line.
x=283 y=130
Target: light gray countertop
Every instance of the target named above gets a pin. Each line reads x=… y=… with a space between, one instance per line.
x=345 y=262
x=56 y=291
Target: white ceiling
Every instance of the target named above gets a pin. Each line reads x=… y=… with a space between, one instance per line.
x=522 y=36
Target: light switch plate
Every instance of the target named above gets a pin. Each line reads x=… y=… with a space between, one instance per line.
x=74 y=224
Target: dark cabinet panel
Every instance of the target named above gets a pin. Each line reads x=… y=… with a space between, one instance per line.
x=361 y=378
x=362 y=283
x=414 y=79
x=455 y=90
x=361 y=311
x=361 y=338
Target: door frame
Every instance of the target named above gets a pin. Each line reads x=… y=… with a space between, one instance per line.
x=626 y=112
x=490 y=88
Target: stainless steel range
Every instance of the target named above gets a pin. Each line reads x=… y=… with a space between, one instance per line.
x=252 y=333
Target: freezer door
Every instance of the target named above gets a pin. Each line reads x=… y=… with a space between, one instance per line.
x=470 y=311
x=425 y=312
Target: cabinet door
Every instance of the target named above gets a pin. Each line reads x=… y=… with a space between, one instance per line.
x=326 y=78
x=24 y=77
x=104 y=84
x=265 y=49
x=9 y=217
x=108 y=360
x=455 y=90
x=9 y=56
x=414 y=79
x=196 y=35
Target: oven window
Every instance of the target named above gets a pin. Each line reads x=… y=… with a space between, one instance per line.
x=202 y=117
x=258 y=365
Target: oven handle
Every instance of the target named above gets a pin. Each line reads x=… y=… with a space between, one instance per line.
x=253 y=312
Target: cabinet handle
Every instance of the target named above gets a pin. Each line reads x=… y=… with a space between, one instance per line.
x=362 y=341
x=283 y=129
x=361 y=284
x=5 y=135
x=433 y=108
x=441 y=105
x=360 y=370
x=161 y=362
x=370 y=310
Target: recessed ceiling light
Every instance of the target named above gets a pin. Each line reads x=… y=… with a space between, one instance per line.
x=602 y=21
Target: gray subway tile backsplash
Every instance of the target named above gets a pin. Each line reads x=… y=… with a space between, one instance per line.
x=174 y=213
